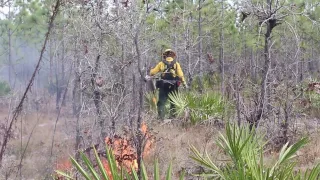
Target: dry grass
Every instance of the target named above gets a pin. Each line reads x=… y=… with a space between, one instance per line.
x=310 y=154
x=172 y=144
x=36 y=164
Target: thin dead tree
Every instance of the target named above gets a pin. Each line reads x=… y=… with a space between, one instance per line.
x=268 y=15
x=139 y=138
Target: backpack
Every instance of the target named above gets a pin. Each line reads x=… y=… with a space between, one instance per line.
x=169 y=72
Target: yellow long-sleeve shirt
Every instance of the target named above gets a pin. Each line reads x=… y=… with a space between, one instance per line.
x=161 y=67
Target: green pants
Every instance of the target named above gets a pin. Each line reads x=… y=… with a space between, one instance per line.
x=163 y=97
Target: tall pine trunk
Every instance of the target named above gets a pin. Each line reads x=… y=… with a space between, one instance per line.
x=199 y=79
x=76 y=96
x=221 y=51
x=10 y=48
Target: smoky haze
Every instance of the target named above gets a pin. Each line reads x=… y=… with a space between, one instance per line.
x=23 y=61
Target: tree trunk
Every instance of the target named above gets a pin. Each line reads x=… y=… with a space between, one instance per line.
x=254 y=120
x=133 y=106
x=199 y=79
x=51 y=63
x=237 y=94
x=285 y=123
x=221 y=52
x=9 y=49
x=76 y=93
x=140 y=137
x=97 y=97
x=58 y=89
x=301 y=68
x=64 y=87
x=123 y=65
x=77 y=104
x=190 y=77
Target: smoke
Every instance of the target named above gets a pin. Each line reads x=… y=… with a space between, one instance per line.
x=23 y=60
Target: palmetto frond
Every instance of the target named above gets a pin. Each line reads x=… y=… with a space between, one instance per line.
x=180 y=101
x=200 y=106
x=108 y=170
x=245 y=150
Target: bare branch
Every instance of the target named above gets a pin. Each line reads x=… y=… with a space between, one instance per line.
x=4 y=3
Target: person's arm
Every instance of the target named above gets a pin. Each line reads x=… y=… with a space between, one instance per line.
x=180 y=74
x=156 y=69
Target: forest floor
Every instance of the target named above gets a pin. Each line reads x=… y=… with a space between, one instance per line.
x=32 y=140
x=34 y=132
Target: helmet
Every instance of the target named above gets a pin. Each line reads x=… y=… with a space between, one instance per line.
x=169 y=53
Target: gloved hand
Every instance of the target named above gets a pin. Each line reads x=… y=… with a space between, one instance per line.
x=185 y=85
x=148 y=78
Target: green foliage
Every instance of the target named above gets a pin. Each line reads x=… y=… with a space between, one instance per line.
x=87 y=170
x=204 y=106
x=26 y=23
x=4 y=88
x=199 y=106
x=31 y=21
x=311 y=93
x=245 y=150
x=180 y=101
x=151 y=19
x=314 y=99
x=208 y=81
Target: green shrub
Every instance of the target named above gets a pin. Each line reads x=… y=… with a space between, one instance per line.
x=314 y=99
x=4 y=88
x=200 y=106
x=309 y=103
x=208 y=81
x=245 y=150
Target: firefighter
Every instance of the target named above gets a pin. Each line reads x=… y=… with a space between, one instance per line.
x=171 y=78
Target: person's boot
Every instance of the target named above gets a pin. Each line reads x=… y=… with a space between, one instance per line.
x=172 y=114
x=161 y=113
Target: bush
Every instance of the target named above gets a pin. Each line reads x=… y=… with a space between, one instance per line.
x=4 y=88
x=209 y=81
x=314 y=99
x=245 y=150
x=310 y=102
x=200 y=106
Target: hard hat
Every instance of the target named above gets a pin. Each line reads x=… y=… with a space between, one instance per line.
x=169 y=53
x=168 y=50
